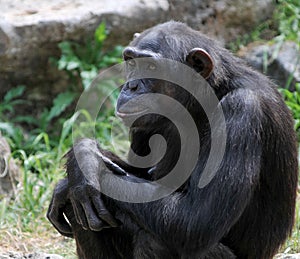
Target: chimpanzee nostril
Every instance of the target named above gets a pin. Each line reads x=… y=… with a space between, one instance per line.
x=129 y=53
x=133 y=85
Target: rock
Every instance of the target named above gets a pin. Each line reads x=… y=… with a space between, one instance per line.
x=29 y=256
x=29 y=33
x=287 y=256
x=9 y=172
x=225 y=19
x=29 y=36
x=281 y=63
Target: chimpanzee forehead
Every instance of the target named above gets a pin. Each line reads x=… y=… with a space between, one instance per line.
x=171 y=40
x=152 y=40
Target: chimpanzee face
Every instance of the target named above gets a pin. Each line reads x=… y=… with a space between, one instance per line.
x=144 y=54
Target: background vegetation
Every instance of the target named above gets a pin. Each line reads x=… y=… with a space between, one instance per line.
x=39 y=143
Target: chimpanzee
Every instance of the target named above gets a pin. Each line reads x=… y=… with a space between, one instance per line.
x=245 y=211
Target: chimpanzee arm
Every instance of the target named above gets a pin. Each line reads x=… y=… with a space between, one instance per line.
x=197 y=219
x=98 y=160
x=201 y=217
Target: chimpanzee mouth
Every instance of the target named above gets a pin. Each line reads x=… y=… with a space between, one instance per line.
x=125 y=115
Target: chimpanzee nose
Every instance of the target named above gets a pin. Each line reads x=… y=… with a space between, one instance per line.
x=129 y=53
x=133 y=85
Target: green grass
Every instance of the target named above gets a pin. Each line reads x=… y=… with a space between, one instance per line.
x=39 y=146
x=283 y=26
x=293 y=243
x=292 y=99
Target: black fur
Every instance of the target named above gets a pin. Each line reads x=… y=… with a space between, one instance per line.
x=245 y=212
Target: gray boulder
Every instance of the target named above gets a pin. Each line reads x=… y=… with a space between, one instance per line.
x=31 y=30
x=280 y=62
x=9 y=171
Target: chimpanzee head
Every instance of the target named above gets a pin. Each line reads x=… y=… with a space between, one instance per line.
x=163 y=41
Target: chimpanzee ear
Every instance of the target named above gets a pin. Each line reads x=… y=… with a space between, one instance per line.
x=136 y=35
x=201 y=61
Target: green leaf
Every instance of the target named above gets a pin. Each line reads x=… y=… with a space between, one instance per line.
x=27 y=119
x=73 y=64
x=87 y=77
x=66 y=48
x=100 y=33
x=8 y=128
x=60 y=103
x=67 y=127
x=14 y=93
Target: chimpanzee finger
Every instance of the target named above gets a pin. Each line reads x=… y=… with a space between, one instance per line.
x=56 y=217
x=93 y=220
x=79 y=214
x=103 y=213
x=55 y=212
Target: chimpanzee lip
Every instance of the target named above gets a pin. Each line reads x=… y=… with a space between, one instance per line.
x=123 y=115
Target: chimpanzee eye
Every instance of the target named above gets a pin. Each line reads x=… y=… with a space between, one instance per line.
x=131 y=62
x=151 y=66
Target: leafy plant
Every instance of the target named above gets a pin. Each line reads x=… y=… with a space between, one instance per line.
x=7 y=109
x=85 y=62
x=292 y=99
x=10 y=101
x=40 y=145
x=287 y=15
x=40 y=148
x=60 y=103
x=256 y=35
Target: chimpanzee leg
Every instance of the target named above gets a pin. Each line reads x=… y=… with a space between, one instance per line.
x=110 y=243
x=128 y=241
x=219 y=252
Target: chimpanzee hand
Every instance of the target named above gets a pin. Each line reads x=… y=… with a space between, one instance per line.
x=89 y=209
x=57 y=207
x=78 y=197
x=84 y=202
x=85 y=165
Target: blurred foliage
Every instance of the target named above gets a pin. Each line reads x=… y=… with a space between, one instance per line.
x=40 y=145
x=292 y=99
x=260 y=33
x=85 y=62
x=283 y=26
x=287 y=15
